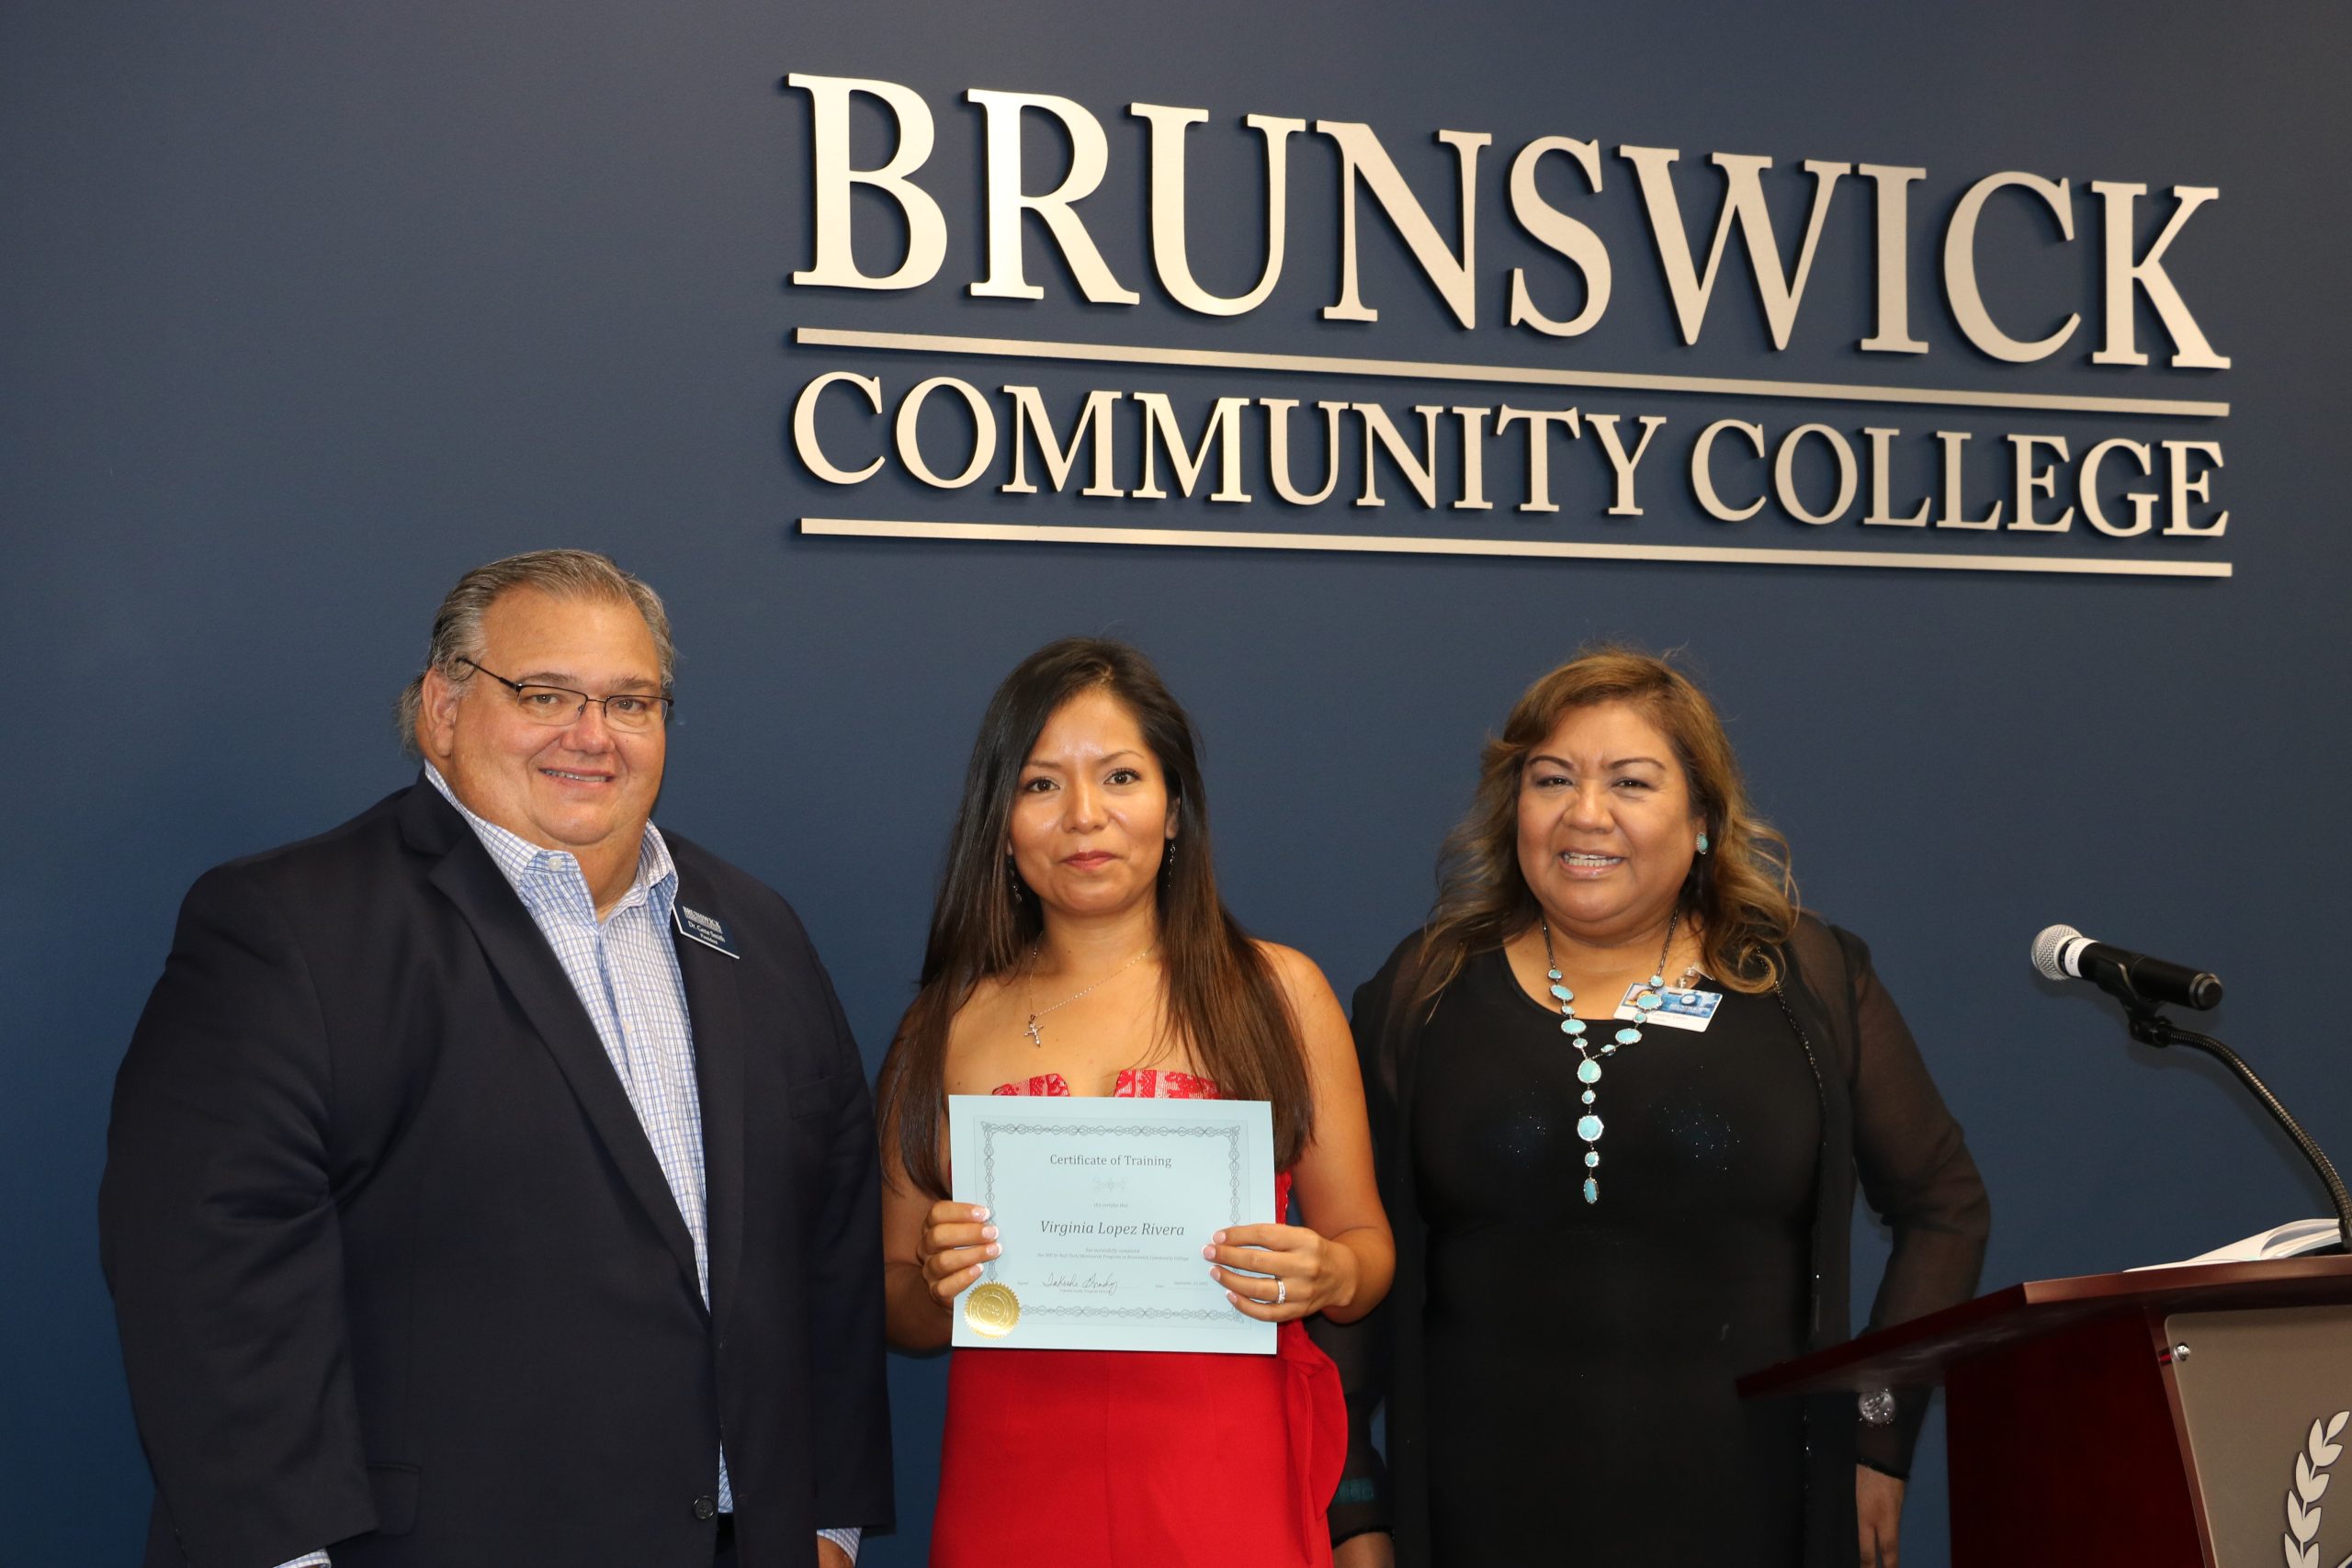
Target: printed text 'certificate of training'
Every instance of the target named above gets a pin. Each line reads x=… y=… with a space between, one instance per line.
x=1103 y=1207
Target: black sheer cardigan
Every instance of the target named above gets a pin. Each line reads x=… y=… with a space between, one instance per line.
x=1881 y=1120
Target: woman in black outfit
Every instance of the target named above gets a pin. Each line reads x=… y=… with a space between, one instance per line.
x=1604 y=1215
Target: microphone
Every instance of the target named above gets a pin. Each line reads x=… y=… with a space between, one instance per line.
x=2061 y=952
x=2141 y=983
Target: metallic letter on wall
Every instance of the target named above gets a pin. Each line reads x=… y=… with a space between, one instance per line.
x=804 y=428
x=1779 y=291
x=926 y=229
x=1168 y=251
x=909 y=441
x=2144 y=502
x=1222 y=431
x=1090 y=155
x=1960 y=269
x=1893 y=252
x=2122 y=273
x=1702 y=475
x=1554 y=228
x=1364 y=158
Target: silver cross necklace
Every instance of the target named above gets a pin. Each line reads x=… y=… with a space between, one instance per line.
x=1031 y=1027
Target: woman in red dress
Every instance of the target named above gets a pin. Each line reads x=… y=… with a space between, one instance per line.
x=1079 y=947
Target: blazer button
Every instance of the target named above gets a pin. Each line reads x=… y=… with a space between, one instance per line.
x=706 y=1507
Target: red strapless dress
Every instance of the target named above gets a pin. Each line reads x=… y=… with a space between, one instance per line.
x=1100 y=1459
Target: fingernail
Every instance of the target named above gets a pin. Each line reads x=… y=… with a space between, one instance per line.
x=994 y=1250
x=978 y=1212
x=1209 y=1253
x=1218 y=1238
x=1234 y=1299
x=988 y=1232
x=1214 y=1272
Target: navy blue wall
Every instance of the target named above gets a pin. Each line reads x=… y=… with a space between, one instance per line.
x=308 y=308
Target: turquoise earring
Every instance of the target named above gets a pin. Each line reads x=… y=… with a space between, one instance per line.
x=1703 y=843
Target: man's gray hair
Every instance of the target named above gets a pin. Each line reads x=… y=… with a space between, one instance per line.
x=561 y=574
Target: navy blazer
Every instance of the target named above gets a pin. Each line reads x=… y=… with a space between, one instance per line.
x=397 y=1272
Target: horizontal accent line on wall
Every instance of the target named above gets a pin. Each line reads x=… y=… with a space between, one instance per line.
x=1380 y=543
x=1512 y=375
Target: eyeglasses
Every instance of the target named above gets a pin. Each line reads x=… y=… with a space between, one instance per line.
x=556 y=706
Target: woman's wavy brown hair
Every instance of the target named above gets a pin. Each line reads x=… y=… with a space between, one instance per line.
x=1739 y=894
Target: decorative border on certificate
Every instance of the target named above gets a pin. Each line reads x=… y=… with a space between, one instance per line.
x=989 y=1128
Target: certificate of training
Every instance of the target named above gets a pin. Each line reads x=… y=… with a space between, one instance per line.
x=1102 y=1207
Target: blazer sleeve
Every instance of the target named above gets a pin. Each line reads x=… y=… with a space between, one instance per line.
x=219 y=1235
x=1918 y=1175
x=848 y=1373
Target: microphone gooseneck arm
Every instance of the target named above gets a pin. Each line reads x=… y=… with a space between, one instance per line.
x=2151 y=1027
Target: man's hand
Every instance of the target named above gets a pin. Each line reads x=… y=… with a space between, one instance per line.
x=831 y=1555
x=1877 y=1506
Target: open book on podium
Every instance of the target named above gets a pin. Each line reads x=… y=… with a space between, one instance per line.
x=2292 y=1240
x=2186 y=1416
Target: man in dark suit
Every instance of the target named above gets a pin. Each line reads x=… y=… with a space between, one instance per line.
x=491 y=1180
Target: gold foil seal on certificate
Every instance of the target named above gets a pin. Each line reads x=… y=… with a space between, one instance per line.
x=992 y=1310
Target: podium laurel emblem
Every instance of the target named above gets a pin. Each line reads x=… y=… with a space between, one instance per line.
x=2320 y=1450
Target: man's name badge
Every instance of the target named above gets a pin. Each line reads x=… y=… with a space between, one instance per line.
x=1675 y=1009
x=992 y=1310
x=695 y=926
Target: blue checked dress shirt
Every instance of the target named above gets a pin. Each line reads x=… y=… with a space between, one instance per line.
x=625 y=970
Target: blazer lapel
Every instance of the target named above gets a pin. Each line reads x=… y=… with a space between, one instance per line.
x=717 y=1011
x=466 y=874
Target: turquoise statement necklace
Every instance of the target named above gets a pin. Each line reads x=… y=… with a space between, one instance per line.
x=1588 y=1126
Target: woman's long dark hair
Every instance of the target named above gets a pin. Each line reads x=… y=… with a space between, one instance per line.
x=1222 y=998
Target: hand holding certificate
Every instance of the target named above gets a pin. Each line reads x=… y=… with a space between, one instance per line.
x=1103 y=1207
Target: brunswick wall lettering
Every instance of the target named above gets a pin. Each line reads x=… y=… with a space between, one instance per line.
x=880 y=227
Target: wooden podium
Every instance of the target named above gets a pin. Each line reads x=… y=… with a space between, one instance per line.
x=2184 y=1417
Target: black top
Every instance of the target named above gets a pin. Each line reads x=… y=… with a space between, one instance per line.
x=1582 y=1355
x=1876 y=1119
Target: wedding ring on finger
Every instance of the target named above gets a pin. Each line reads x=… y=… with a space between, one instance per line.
x=1282 y=1292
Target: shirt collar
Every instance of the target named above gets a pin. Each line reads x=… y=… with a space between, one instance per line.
x=531 y=870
